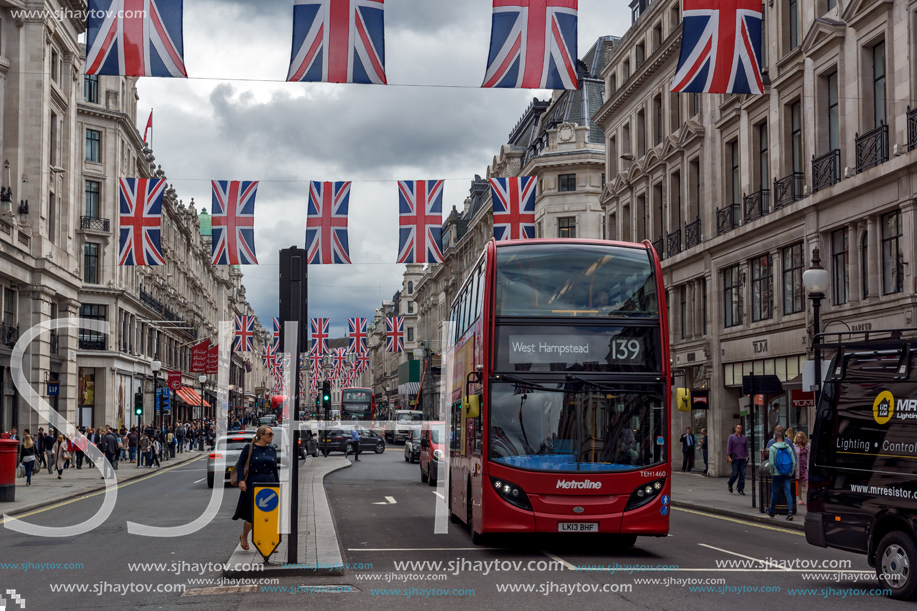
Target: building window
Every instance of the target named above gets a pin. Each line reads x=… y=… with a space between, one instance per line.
x=732 y=296
x=613 y=84
x=53 y=205
x=91 y=263
x=566 y=183
x=657 y=108
x=683 y=311
x=762 y=288
x=796 y=136
x=892 y=257
x=410 y=334
x=841 y=264
x=55 y=70
x=91 y=88
x=566 y=227
x=735 y=185
x=93 y=145
x=834 y=126
x=410 y=287
x=9 y=306
x=695 y=104
x=793 y=19
x=793 y=266
x=763 y=154
x=878 y=84
x=763 y=38
x=93 y=199
x=864 y=264
x=704 y=307
x=641 y=54
x=410 y=307
x=91 y=339
x=53 y=139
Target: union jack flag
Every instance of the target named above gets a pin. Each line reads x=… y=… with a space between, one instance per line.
x=326 y=224
x=514 y=207
x=533 y=45
x=233 y=220
x=394 y=334
x=420 y=205
x=339 y=359
x=720 y=47
x=361 y=363
x=135 y=38
x=245 y=334
x=276 y=332
x=338 y=41
x=320 y=334
x=357 y=334
x=141 y=221
x=267 y=356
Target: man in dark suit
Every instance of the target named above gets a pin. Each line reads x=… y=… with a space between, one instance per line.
x=688 y=441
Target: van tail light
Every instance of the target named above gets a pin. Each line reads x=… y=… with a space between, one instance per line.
x=215 y=456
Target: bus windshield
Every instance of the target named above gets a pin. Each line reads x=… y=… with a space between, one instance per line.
x=575 y=280
x=576 y=430
x=418 y=417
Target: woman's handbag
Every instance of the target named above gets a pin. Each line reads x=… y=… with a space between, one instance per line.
x=234 y=478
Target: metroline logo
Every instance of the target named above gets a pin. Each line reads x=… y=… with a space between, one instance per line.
x=567 y=484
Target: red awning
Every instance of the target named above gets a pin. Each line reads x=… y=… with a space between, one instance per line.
x=189 y=396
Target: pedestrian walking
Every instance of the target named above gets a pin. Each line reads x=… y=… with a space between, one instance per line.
x=49 y=450
x=688 y=441
x=737 y=455
x=782 y=467
x=61 y=453
x=40 y=449
x=180 y=438
x=110 y=448
x=703 y=447
x=145 y=444
x=28 y=456
x=802 y=466
x=354 y=445
x=155 y=449
x=257 y=464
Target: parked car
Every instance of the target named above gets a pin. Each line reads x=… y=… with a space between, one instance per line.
x=339 y=440
x=432 y=451
x=412 y=446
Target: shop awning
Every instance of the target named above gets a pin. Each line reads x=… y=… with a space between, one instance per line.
x=409 y=388
x=190 y=396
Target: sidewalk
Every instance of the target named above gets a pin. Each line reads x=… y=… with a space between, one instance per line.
x=319 y=552
x=47 y=489
x=710 y=495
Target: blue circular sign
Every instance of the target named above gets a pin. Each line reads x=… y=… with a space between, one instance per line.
x=664 y=511
x=267 y=500
x=665 y=499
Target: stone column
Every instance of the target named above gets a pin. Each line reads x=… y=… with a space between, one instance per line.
x=873 y=276
x=907 y=244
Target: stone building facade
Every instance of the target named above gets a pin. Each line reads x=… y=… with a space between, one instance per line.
x=737 y=192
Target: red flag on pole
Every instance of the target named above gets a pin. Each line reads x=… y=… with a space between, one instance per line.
x=149 y=126
x=213 y=359
x=199 y=356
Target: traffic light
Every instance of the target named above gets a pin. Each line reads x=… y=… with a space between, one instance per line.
x=138 y=404
x=326 y=395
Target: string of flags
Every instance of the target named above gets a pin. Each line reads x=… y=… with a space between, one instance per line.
x=533 y=43
x=420 y=206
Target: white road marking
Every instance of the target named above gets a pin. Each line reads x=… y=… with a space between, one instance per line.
x=570 y=567
x=438 y=494
x=391 y=500
x=200 y=480
x=765 y=562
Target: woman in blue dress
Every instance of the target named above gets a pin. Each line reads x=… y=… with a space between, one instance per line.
x=261 y=468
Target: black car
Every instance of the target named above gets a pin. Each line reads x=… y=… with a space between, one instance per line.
x=339 y=440
x=412 y=446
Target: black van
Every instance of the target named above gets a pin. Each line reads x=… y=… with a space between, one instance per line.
x=863 y=463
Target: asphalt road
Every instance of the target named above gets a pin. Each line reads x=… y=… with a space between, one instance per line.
x=384 y=516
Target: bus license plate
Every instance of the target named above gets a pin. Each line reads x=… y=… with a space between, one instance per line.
x=577 y=527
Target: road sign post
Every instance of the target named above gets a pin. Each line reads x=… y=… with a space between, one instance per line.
x=266 y=518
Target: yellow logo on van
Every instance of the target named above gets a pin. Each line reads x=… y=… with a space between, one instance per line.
x=883 y=408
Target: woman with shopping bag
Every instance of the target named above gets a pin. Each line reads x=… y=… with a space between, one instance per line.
x=28 y=454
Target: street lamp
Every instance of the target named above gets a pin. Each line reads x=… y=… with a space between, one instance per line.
x=815 y=279
x=202 y=379
x=156 y=365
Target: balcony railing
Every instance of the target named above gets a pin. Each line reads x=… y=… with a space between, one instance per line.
x=757 y=205
x=92 y=343
x=911 y=128
x=9 y=334
x=692 y=234
x=727 y=218
x=826 y=170
x=658 y=245
x=154 y=304
x=673 y=243
x=92 y=223
x=872 y=148
x=788 y=190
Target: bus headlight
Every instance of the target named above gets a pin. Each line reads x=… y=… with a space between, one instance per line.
x=644 y=494
x=438 y=455
x=511 y=493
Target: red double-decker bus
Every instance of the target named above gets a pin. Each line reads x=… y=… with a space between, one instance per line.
x=357 y=404
x=560 y=393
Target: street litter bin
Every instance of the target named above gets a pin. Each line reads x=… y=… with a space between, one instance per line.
x=9 y=457
x=765 y=488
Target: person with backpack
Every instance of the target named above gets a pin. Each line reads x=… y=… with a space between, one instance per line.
x=180 y=437
x=782 y=467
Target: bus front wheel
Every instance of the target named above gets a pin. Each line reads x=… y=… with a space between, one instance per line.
x=895 y=556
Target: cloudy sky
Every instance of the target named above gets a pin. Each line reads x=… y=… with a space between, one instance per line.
x=236 y=119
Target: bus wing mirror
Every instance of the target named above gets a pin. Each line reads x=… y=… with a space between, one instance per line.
x=473 y=406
